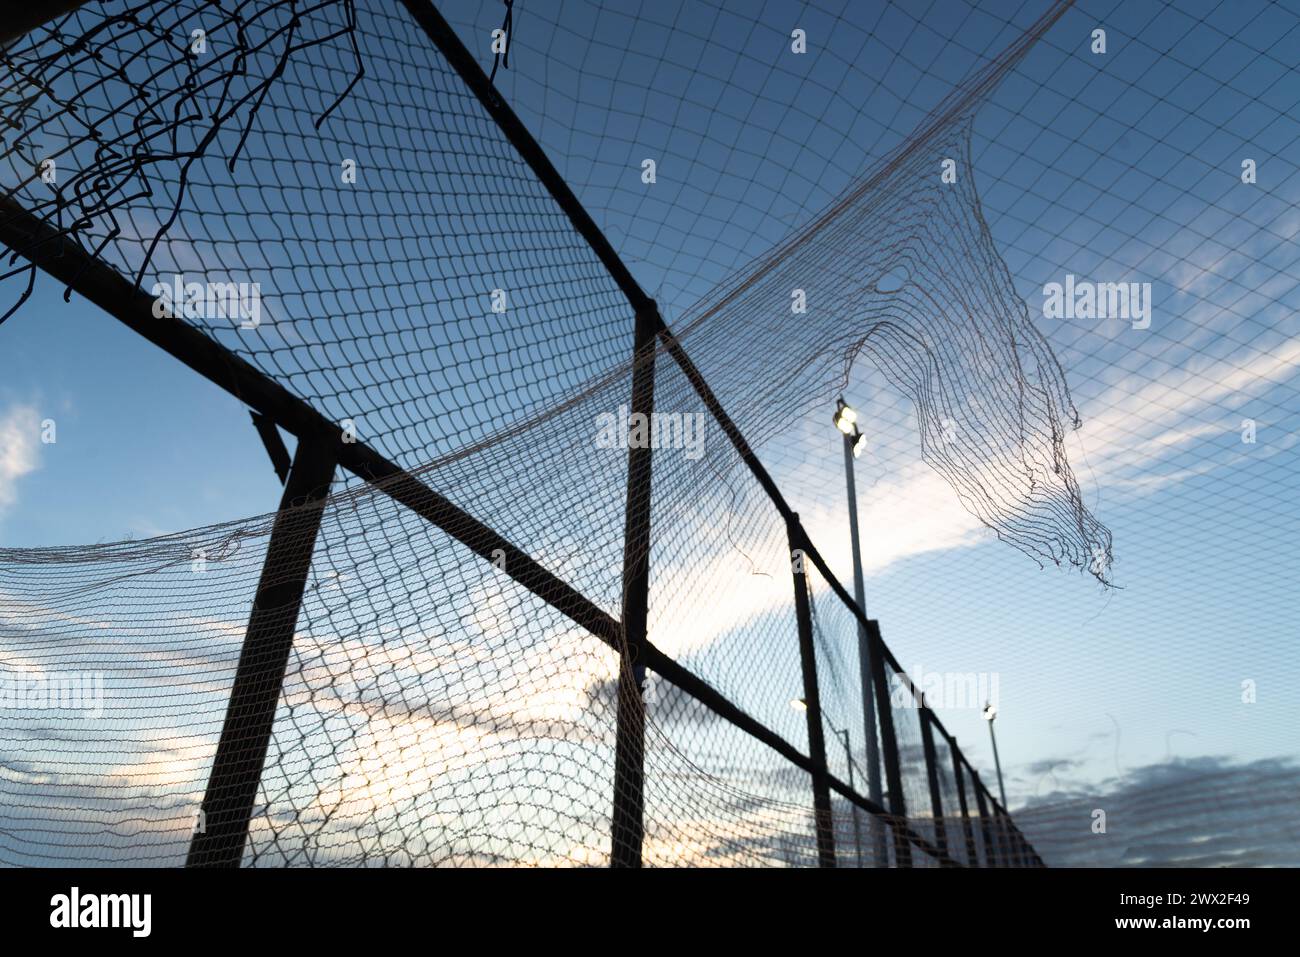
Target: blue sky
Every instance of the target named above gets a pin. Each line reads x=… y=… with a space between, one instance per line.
x=124 y=463
x=1119 y=169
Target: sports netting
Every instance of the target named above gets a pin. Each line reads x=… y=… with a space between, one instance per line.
x=420 y=287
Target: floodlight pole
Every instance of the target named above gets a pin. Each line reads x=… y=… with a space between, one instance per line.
x=997 y=762
x=864 y=652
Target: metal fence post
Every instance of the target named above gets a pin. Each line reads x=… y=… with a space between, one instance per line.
x=932 y=776
x=889 y=746
x=1010 y=843
x=627 y=823
x=1015 y=849
x=991 y=855
x=853 y=808
x=1030 y=857
x=222 y=828
x=812 y=699
x=967 y=831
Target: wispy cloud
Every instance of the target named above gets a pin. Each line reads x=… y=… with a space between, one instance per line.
x=1128 y=433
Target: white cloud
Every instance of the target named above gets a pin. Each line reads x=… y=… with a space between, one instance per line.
x=19 y=438
x=1127 y=432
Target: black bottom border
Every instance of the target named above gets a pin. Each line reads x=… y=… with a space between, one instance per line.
x=586 y=909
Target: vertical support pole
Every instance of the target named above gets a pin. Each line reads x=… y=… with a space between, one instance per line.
x=1029 y=856
x=812 y=699
x=1001 y=837
x=1001 y=834
x=991 y=856
x=853 y=808
x=889 y=747
x=932 y=776
x=627 y=822
x=259 y=677
x=1035 y=860
x=864 y=655
x=967 y=832
x=1005 y=836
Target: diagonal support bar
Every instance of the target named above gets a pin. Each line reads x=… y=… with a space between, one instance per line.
x=274 y=445
x=222 y=829
x=437 y=29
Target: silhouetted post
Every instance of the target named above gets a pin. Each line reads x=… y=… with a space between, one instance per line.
x=889 y=747
x=972 y=856
x=627 y=823
x=1005 y=854
x=932 y=776
x=1029 y=856
x=812 y=699
x=853 y=808
x=1011 y=839
x=992 y=858
x=222 y=828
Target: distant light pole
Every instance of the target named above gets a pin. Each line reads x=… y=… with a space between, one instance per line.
x=843 y=733
x=990 y=714
x=846 y=420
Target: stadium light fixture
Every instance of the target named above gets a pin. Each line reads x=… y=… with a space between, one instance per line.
x=846 y=419
x=799 y=704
